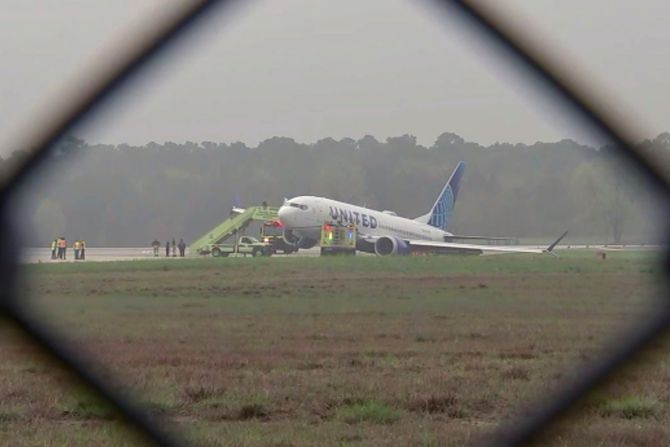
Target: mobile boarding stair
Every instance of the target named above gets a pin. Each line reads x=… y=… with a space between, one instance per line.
x=238 y=221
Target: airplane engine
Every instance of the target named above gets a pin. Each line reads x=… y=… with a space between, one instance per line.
x=298 y=241
x=385 y=246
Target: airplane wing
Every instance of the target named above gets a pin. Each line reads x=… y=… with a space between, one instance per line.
x=453 y=247
x=479 y=238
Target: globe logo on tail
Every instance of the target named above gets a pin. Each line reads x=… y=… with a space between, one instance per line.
x=439 y=217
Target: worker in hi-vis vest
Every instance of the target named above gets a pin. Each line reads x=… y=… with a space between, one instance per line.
x=62 y=248
x=75 y=246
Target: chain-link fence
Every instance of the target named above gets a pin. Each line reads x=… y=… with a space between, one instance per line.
x=508 y=40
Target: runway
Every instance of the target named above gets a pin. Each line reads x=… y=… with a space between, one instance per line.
x=106 y=254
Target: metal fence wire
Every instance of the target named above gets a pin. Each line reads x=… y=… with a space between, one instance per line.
x=552 y=78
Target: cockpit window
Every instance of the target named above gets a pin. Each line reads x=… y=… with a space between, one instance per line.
x=298 y=205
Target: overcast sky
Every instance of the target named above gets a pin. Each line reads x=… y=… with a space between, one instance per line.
x=310 y=69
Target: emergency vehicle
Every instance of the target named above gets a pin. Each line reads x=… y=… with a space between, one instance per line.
x=272 y=233
x=338 y=238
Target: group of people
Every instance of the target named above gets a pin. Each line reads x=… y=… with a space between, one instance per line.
x=59 y=249
x=170 y=248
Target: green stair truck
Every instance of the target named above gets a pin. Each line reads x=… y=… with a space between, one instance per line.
x=215 y=241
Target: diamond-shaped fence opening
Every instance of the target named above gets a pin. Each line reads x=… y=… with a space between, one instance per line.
x=544 y=414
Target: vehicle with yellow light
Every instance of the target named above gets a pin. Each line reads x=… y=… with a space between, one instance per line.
x=272 y=234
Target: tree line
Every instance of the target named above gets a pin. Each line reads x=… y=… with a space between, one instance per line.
x=123 y=195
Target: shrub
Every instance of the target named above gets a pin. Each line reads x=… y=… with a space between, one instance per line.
x=423 y=338
x=86 y=406
x=255 y=410
x=199 y=393
x=447 y=404
x=370 y=411
x=629 y=407
x=10 y=415
x=516 y=373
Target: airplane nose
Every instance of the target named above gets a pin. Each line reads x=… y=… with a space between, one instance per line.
x=283 y=214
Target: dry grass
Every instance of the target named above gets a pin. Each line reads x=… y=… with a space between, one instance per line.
x=306 y=352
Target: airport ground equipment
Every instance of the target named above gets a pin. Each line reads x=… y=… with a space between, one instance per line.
x=238 y=220
x=245 y=245
x=337 y=238
x=272 y=232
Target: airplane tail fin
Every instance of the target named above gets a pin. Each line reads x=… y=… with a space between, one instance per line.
x=438 y=216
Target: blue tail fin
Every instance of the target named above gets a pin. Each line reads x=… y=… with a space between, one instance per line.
x=439 y=213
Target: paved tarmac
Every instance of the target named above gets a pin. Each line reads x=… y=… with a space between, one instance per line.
x=43 y=255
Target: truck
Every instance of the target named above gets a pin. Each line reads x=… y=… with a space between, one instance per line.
x=338 y=238
x=245 y=245
x=272 y=233
x=217 y=241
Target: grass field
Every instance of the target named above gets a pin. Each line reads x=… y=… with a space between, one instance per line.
x=421 y=351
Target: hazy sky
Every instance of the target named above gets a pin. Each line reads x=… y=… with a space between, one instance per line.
x=310 y=69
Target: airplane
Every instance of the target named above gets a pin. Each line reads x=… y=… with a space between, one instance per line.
x=385 y=233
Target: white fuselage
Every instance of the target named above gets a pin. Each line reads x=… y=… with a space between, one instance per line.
x=304 y=216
